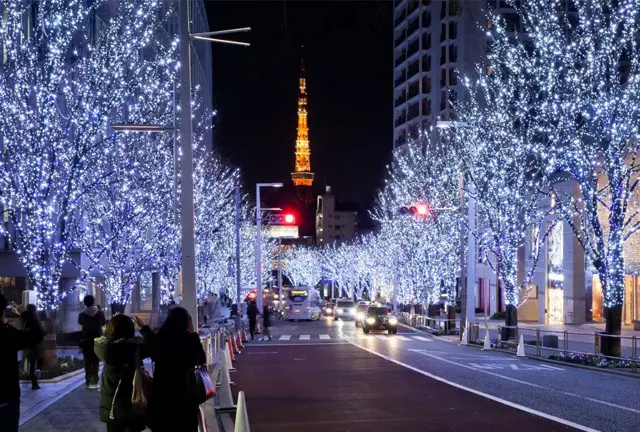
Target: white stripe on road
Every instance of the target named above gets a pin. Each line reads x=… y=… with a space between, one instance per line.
x=479 y=393
x=285 y=337
x=379 y=336
x=324 y=337
x=305 y=337
x=403 y=338
x=468 y=366
x=420 y=338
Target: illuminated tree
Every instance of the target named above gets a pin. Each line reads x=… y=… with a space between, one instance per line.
x=60 y=87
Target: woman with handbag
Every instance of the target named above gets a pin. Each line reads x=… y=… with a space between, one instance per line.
x=177 y=352
x=122 y=352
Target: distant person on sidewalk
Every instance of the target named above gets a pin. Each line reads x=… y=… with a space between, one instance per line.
x=266 y=322
x=120 y=350
x=252 y=314
x=35 y=354
x=213 y=307
x=176 y=351
x=91 y=319
x=12 y=340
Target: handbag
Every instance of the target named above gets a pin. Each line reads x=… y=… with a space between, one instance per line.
x=142 y=387
x=202 y=388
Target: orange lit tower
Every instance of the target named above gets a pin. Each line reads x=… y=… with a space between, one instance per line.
x=302 y=175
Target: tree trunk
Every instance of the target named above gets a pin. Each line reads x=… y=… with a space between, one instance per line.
x=50 y=360
x=610 y=346
x=451 y=318
x=510 y=320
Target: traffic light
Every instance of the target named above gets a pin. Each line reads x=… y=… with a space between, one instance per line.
x=415 y=210
x=282 y=219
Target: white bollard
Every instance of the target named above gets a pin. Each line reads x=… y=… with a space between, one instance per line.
x=520 y=352
x=487 y=342
x=242 y=418
x=465 y=338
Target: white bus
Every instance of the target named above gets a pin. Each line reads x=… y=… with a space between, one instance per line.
x=302 y=303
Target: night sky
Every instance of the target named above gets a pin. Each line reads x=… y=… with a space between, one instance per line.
x=348 y=58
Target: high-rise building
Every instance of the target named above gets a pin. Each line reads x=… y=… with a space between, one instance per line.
x=434 y=42
x=302 y=175
x=332 y=223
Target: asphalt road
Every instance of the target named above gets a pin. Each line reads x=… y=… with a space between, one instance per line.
x=319 y=383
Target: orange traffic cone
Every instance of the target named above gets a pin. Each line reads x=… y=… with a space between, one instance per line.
x=234 y=345
x=258 y=328
x=244 y=336
x=239 y=340
x=230 y=345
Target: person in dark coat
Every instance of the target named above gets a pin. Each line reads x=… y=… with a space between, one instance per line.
x=176 y=350
x=34 y=354
x=252 y=313
x=91 y=319
x=12 y=340
x=266 y=322
x=121 y=353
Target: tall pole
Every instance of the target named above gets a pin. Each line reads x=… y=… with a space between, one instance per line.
x=463 y=264
x=395 y=286
x=471 y=261
x=279 y=273
x=237 y=218
x=189 y=301
x=258 y=258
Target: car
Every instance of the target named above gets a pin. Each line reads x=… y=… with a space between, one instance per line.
x=360 y=311
x=379 y=318
x=345 y=309
x=327 y=309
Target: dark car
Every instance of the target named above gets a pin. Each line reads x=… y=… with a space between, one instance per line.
x=379 y=318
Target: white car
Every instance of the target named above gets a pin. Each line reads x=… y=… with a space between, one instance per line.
x=345 y=309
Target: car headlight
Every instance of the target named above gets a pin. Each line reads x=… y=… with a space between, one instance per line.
x=360 y=315
x=393 y=321
x=371 y=320
x=352 y=311
x=329 y=310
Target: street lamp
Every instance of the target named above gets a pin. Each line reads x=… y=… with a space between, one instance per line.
x=189 y=296
x=258 y=240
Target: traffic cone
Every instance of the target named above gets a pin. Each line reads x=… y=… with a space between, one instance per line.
x=230 y=344
x=258 y=328
x=234 y=345
x=520 y=352
x=242 y=418
x=239 y=340
x=487 y=342
x=244 y=336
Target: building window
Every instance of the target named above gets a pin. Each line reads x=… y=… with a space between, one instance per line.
x=426 y=41
x=426 y=84
x=453 y=79
x=453 y=53
x=337 y=217
x=426 y=63
x=453 y=30
x=443 y=55
x=426 y=19
x=443 y=77
x=443 y=32
x=426 y=107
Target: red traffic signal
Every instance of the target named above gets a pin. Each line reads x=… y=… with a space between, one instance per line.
x=416 y=209
x=289 y=218
x=282 y=219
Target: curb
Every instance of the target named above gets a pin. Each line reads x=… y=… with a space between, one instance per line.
x=542 y=359
x=56 y=379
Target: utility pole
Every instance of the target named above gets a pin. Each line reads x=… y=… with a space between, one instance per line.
x=237 y=220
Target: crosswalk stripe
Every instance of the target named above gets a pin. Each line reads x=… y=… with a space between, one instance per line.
x=305 y=337
x=379 y=336
x=285 y=337
x=325 y=337
x=420 y=338
x=402 y=338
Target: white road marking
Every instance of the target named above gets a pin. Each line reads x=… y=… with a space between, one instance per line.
x=325 y=337
x=421 y=338
x=624 y=408
x=379 y=336
x=285 y=337
x=305 y=337
x=479 y=393
x=402 y=338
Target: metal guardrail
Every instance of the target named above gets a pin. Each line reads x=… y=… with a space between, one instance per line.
x=439 y=324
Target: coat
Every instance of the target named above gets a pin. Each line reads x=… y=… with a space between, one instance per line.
x=33 y=325
x=13 y=340
x=91 y=319
x=119 y=357
x=172 y=407
x=266 y=317
x=252 y=313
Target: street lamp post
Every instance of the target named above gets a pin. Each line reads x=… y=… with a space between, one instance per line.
x=259 y=241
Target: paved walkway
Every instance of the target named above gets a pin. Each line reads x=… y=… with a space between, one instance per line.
x=33 y=402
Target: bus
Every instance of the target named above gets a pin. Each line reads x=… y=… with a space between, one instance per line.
x=302 y=303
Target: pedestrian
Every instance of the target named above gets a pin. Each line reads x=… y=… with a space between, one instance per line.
x=252 y=314
x=91 y=319
x=35 y=354
x=12 y=340
x=176 y=351
x=266 y=322
x=214 y=307
x=121 y=353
